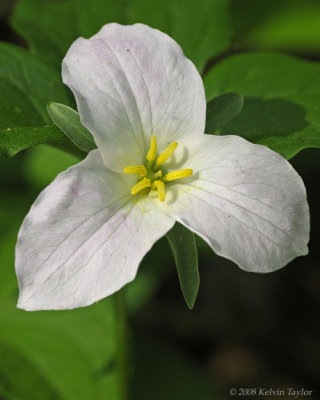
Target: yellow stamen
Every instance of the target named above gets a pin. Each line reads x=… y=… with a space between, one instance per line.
x=182 y=173
x=157 y=174
x=159 y=185
x=136 y=170
x=143 y=184
x=151 y=155
x=163 y=157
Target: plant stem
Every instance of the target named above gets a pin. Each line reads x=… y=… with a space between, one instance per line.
x=122 y=342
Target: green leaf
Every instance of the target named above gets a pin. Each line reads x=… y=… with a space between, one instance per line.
x=203 y=30
x=184 y=250
x=281 y=99
x=13 y=140
x=15 y=369
x=57 y=350
x=221 y=110
x=36 y=21
x=68 y=120
x=26 y=86
x=63 y=355
x=52 y=354
x=37 y=82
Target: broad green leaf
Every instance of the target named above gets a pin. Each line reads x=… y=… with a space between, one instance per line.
x=221 y=110
x=13 y=140
x=26 y=85
x=36 y=21
x=16 y=109
x=57 y=349
x=68 y=120
x=203 y=29
x=96 y=13
x=281 y=99
x=47 y=27
x=14 y=368
x=184 y=250
x=63 y=355
x=38 y=82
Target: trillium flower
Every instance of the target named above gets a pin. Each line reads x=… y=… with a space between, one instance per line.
x=144 y=103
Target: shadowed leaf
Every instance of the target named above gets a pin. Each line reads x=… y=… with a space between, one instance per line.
x=221 y=110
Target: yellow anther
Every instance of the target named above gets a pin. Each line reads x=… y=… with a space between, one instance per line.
x=159 y=185
x=143 y=184
x=136 y=170
x=163 y=157
x=154 y=185
x=151 y=155
x=157 y=174
x=182 y=173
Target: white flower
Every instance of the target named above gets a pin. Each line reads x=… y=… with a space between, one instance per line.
x=144 y=103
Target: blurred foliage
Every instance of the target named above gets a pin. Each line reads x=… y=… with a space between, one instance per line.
x=286 y=25
x=44 y=163
x=245 y=329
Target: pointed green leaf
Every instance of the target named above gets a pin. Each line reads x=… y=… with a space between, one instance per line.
x=185 y=254
x=68 y=120
x=281 y=99
x=221 y=110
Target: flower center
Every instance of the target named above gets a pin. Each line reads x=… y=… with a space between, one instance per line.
x=153 y=176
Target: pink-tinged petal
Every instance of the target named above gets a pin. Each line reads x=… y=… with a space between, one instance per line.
x=83 y=238
x=131 y=82
x=245 y=200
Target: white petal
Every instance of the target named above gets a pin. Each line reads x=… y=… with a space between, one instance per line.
x=131 y=82
x=83 y=238
x=245 y=200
